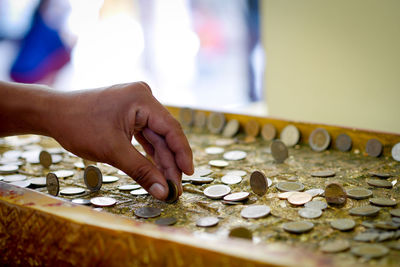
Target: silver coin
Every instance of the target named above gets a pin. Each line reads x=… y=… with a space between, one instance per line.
x=335 y=246
x=103 y=201
x=6 y=169
x=148 y=212
x=370 y=251
x=31 y=156
x=315 y=192
x=235 y=155
x=110 y=179
x=290 y=186
x=202 y=171
x=201 y=180
x=122 y=173
x=380 y=183
x=396 y=152
x=343 y=142
x=374 y=147
x=64 y=173
x=207 y=221
x=218 y=163
x=14 y=178
x=21 y=183
x=290 y=135
x=81 y=201
x=129 y=187
x=255 y=211
x=383 y=202
x=79 y=165
x=231 y=179
x=395 y=212
x=298 y=227
x=224 y=142
x=343 y=224
x=323 y=174
x=56 y=150
x=40 y=181
x=56 y=158
x=358 y=193
x=365 y=211
x=237 y=172
x=217 y=191
x=12 y=154
x=316 y=204
x=238 y=196
x=231 y=128
x=139 y=192
x=310 y=213
x=279 y=151
x=166 y=221
x=216 y=122
x=319 y=139
x=214 y=150
x=72 y=191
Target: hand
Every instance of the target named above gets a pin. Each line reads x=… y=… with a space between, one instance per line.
x=98 y=125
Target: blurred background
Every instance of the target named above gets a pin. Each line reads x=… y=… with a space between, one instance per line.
x=197 y=53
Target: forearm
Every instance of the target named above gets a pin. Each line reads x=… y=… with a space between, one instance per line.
x=26 y=108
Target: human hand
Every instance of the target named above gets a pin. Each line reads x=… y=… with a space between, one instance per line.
x=98 y=125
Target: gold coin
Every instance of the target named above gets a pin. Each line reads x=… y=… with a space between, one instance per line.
x=319 y=139
x=252 y=128
x=268 y=132
x=45 y=159
x=173 y=193
x=93 y=178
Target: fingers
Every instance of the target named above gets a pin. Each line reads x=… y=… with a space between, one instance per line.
x=130 y=161
x=164 y=157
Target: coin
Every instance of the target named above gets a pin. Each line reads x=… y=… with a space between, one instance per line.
x=201 y=180
x=365 y=211
x=218 y=163
x=21 y=183
x=173 y=193
x=207 y=222
x=79 y=165
x=370 y=251
x=93 y=178
x=395 y=212
x=316 y=204
x=38 y=182
x=148 y=212
x=279 y=151
x=299 y=198
x=238 y=196
x=335 y=194
x=323 y=174
x=217 y=191
x=235 y=155
x=56 y=150
x=358 y=193
x=14 y=178
x=315 y=192
x=290 y=135
x=103 y=201
x=81 y=201
x=231 y=128
x=214 y=150
x=241 y=232
x=231 y=179
x=56 y=159
x=202 y=171
x=252 y=128
x=45 y=159
x=10 y=168
x=298 y=227
x=310 y=213
x=109 y=179
x=335 y=246
x=383 y=202
x=216 y=122
x=380 y=174
x=343 y=224
x=237 y=172
x=166 y=221
x=224 y=142
x=129 y=187
x=139 y=192
x=290 y=186
x=200 y=119
x=52 y=184
x=72 y=191
x=255 y=211
x=186 y=116
x=12 y=154
x=285 y=195
x=64 y=173
x=258 y=183
x=387 y=225
x=268 y=132
x=396 y=152
x=374 y=147
x=379 y=183
x=319 y=139
x=343 y=142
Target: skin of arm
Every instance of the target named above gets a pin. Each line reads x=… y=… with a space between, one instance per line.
x=98 y=125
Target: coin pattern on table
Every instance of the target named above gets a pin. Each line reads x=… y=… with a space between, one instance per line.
x=358 y=193
x=268 y=132
x=298 y=227
x=103 y=201
x=231 y=128
x=255 y=211
x=148 y=212
x=231 y=179
x=319 y=139
x=335 y=194
x=207 y=221
x=374 y=147
x=290 y=135
x=258 y=183
x=343 y=224
x=343 y=142
x=279 y=151
x=235 y=155
x=216 y=122
x=217 y=191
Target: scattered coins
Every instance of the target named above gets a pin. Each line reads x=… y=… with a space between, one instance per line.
x=218 y=163
x=231 y=128
x=109 y=179
x=335 y=246
x=252 y=128
x=241 y=232
x=255 y=211
x=64 y=173
x=200 y=119
x=173 y=193
x=238 y=196
x=309 y=213
x=374 y=147
x=268 y=132
x=129 y=187
x=148 y=212
x=52 y=184
x=316 y=204
x=370 y=250
x=38 y=182
x=14 y=178
x=279 y=151
x=139 y=192
x=93 y=178
x=383 y=202
x=299 y=198
x=235 y=155
x=186 y=116
x=207 y=222
x=103 y=201
x=358 y=193
x=81 y=201
x=23 y=184
x=290 y=135
x=217 y=191
x=343 y=224
x=290 y=186
x=323 y=174
x=319 y=139
x=298 y=227
x=379 y=183
x=166 y=221
x=214 y=150
x=216 y=122
x=258 y=183
x=69 y=191
x=343 y=142
x=396 y=152
x=365 y=211
x=335 y=194
x=231 y=179
x=45 y=159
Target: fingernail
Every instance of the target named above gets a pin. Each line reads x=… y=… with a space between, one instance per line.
x=158 y=191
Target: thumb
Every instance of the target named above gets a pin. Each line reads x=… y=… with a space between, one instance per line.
x=134 y=164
